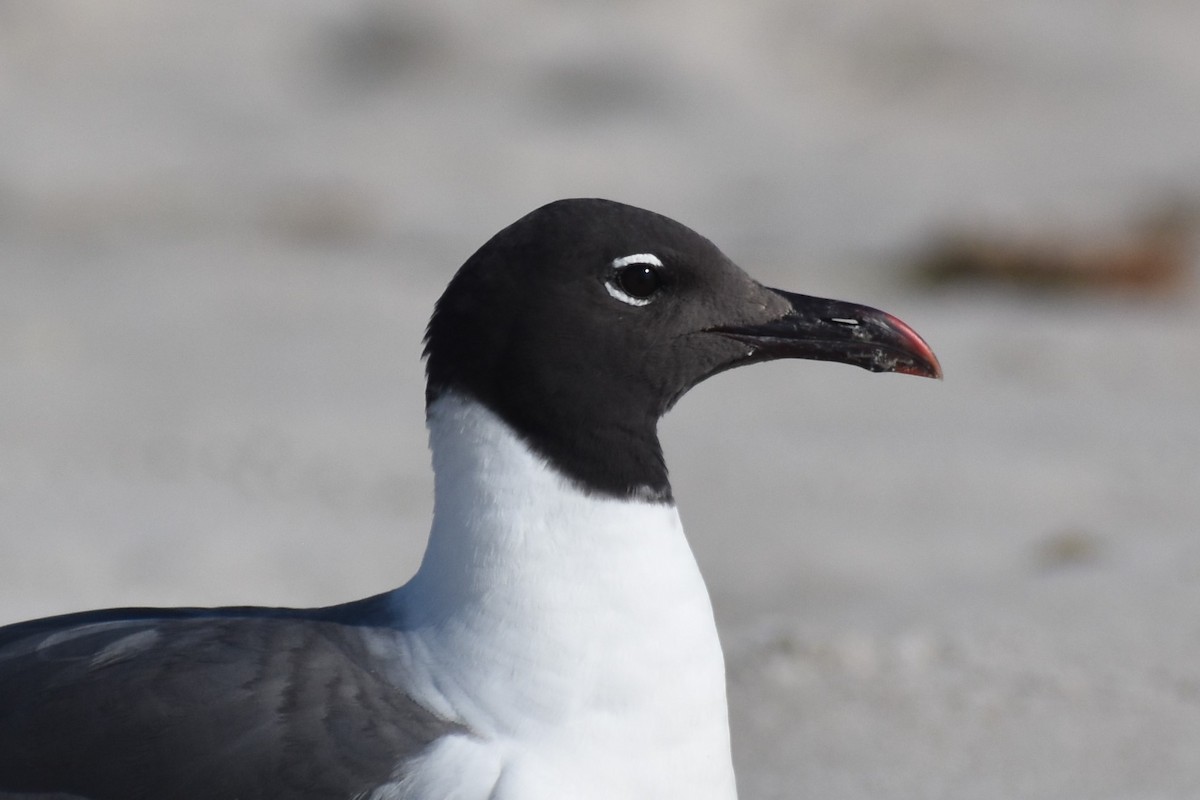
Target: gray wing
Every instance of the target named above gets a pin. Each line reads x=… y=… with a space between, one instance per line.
x=191 y=704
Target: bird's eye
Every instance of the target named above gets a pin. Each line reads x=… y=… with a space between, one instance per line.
x=639 y=280
x=635 y=279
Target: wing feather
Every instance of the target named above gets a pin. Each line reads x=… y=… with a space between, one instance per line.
x=119 y=705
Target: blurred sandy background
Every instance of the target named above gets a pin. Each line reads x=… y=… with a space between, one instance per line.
x=223 y=226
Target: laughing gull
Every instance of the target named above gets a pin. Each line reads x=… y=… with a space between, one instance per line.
x=557 y=640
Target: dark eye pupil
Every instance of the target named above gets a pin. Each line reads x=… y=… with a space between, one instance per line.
x=639 y=280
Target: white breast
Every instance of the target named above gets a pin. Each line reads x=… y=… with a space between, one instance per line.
x=572 y=634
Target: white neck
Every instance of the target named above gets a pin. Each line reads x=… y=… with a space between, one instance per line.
x=577 y=621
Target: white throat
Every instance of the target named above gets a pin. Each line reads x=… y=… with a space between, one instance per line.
x=571 y=633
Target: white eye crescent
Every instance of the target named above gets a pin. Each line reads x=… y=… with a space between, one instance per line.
x=635 y=279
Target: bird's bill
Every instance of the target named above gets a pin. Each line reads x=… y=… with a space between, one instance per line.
x=832 y=330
